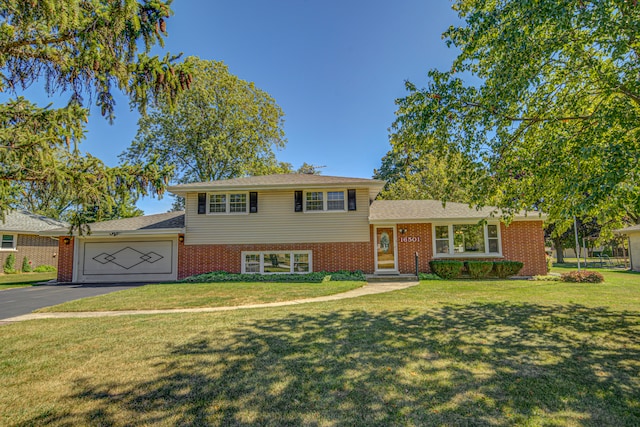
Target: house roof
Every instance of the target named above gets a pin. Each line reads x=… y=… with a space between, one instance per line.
x=280 y=181
x=172 y=222
x=23 y=221
x=433 y=210
x=627 y=230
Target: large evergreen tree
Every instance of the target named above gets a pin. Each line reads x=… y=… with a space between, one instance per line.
x=86 y=49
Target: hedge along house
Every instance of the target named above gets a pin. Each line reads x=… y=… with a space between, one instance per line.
x=295 y=223
x=20 y=231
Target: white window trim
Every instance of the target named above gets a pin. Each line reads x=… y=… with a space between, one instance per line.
x=15 y=242
x=228 y=203
x=325 y=201
x=453 y=254
x=290 y=253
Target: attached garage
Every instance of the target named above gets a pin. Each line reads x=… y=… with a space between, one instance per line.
x=126 y=260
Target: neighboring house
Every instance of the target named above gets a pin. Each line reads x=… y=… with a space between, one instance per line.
x=19 y=233
x=633 y=234
x=295 y=223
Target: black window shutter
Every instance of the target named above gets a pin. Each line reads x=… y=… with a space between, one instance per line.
x=351 y=197
x=297 y=201
x=253 y=202
x=202 y=203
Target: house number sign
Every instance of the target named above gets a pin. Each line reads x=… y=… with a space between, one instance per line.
x=410 y=239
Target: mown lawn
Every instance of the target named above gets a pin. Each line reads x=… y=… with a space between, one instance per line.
x=495 y=353
x=190 y=295
x=8 y=281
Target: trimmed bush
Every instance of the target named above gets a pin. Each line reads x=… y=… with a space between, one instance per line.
x=479 y=269
x=26 y=265
x=447 y=269
x=504 y=269
x=44 y=268
x=316 y=277
x=10 y=264
x=549 y=262
x=582 y=277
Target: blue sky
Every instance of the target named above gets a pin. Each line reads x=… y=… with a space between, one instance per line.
x=334 y=67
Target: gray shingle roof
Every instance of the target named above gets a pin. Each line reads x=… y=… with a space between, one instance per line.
x=277 y=181
x=416 y=210
x=633 y=228
x=163 y=221
x=25 y=221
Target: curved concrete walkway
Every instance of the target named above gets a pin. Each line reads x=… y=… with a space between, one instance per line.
x=368 y=289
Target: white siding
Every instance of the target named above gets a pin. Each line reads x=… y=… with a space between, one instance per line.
x=276 y=222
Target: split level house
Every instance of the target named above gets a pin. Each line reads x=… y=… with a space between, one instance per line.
x=295 y=223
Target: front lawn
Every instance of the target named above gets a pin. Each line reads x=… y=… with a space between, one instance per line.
x=190 y=295
x=8 y=281
x=494 y=353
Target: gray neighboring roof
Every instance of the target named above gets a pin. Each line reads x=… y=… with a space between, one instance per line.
x=432 y=210
x=170 y=222
x=291 y=180
x=27 y=222
x=631 y=229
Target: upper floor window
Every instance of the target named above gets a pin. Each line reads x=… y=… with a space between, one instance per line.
x=8 y=242
x=466 y=239
x=228 y=203
x=324 y=201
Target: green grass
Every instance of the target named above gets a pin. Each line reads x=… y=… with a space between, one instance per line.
x=190 y=295
x=494 y=353
x=8 y=281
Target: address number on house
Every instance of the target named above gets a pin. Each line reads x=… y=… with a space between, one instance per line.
x=409 y=239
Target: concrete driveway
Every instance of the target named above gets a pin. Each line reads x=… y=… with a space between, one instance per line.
x=19 y=301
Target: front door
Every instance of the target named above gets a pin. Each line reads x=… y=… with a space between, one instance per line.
x=386 y=249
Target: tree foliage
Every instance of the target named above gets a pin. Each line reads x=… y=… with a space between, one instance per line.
x=86 y=49
x=544 y=101
x=222 y=127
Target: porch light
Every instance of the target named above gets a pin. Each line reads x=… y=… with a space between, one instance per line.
x=66 y=240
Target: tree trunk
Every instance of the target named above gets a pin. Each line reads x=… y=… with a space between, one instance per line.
x=557 y=242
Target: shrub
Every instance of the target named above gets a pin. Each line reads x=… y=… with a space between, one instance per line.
x=10 y=264
x=44 y=268
x=26 y=265
x=479 y=269
x=582 y=277
x=447 y=269
x=428 y=276
x=549 y=259
x=504 y=269
x=316 y=277
x=546 y=278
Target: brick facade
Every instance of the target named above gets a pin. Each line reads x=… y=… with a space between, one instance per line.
x=39 y=250
x=521 y=241
x=65 y=262
x=196 y=259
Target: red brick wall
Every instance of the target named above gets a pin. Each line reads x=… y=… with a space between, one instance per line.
x=524 y=241
x=196 y=259
x=65 y=260
x=39 y=250
x=521 y=241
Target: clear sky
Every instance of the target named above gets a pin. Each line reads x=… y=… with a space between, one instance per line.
x=335 y=68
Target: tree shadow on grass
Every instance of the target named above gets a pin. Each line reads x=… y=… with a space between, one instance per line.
x=478 y=364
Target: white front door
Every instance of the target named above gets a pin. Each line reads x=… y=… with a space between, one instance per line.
x=386 y=252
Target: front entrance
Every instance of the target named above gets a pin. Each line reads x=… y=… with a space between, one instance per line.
x=386 y=253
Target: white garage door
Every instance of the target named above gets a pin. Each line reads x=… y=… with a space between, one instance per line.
x=127 y=261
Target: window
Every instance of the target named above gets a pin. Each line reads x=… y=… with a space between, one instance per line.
x=466 y=240
x=8 y=242
x=314 y=201
x=321 y=201
x=335 y=200
x=228 y=203
x=275 y=262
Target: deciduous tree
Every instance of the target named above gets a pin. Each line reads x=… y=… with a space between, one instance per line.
x=544 y=100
